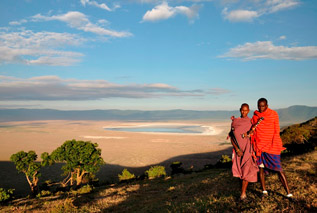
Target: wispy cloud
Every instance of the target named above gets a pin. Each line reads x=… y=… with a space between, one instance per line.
x=164 y=11
x=171 y=1
x=283 y=37
x=240 y=15
x=101 y=6
x=267 y=50
x=80 y=21
x=46 y=48
x=255 y=9
x=55 y=88
x=218 y=91
x=22 y=21
x=277 y=5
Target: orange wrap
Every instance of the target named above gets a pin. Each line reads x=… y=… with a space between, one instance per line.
x=266 y=137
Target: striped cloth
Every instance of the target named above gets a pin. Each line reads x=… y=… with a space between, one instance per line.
x=266 y=137
x=270 y=161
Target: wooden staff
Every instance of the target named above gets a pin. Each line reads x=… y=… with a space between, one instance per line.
x=233 y=138
x=247 y=134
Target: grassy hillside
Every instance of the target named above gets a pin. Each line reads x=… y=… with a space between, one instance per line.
x=212 y=190
x=300 y=138
x=206 y=191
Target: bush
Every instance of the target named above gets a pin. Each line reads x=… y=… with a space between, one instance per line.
x=225 y=159
x=224 y=162
x=126 y=175
x=83 y=190
x=156 y=171
x=5 y=194
x=43 y=193
x=176 y=167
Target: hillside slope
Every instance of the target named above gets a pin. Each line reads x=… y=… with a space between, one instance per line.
x=208 y=191
x=212 y=190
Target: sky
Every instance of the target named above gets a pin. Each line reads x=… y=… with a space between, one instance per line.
x=157 y=55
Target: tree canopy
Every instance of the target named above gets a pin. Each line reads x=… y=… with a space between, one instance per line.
x=81 y=158
x=25 y=162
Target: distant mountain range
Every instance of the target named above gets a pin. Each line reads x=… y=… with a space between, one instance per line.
x=287 y=115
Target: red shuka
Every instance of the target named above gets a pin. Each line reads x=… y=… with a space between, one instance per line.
x=266 y=137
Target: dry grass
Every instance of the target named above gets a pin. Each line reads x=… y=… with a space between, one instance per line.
x=208 y=191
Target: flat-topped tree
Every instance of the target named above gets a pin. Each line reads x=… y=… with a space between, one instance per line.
x=25 y=162
x=81 y=158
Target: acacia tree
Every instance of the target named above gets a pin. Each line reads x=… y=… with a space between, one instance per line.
x=81 y=157
x=25 y=162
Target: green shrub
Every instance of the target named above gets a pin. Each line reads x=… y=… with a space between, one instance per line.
x=224 y=162
x=176 y=167
x=66 y=206
x=5 y=194
x=126 y=175
x=43 y=193
x=225 y=159
x=156 y=171
x=85 y=189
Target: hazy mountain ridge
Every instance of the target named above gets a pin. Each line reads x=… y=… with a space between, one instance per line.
x=293 y=113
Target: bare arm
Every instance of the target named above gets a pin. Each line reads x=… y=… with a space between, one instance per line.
x=236 y=149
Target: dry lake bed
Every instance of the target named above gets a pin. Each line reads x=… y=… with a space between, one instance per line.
x=132 y=145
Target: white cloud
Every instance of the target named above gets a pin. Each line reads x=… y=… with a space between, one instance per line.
x=18 y=22
x=54 y=61
x=218 y=91
x=171 y=1
x=255 y=9
x=103 y=22
x=55 y=88
x=96 y=4
x=277 y=5
x=190 y=12
x=80 y=21
x=283 y=37
x=44 y=48
x=160 y=12
x=267 y=50
x=239 y=15
x=164 y=11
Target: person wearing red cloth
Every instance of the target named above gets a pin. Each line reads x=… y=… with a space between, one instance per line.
x=243 y=164
x=267 y=143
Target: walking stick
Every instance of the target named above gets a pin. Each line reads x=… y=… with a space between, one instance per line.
x=233 y=138
x=247 y=134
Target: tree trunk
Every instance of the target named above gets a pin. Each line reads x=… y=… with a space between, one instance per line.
x=71 y=178
x=80 y=177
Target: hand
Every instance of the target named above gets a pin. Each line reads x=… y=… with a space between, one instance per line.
x=250 y=132
x=239 y=153
x=232 y=117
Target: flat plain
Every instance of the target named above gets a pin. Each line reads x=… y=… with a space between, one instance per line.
x=132 y=150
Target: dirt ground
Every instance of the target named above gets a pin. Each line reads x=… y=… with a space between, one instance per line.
x=135 y=151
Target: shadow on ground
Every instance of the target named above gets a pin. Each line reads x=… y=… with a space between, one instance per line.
x=11 y=179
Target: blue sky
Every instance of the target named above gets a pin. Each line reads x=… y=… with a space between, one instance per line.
x=157 y=55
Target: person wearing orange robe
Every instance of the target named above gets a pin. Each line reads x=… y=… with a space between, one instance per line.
x=268 y=144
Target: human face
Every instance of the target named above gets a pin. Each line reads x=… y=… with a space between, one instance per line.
x=244 y=111
x=262 y=106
